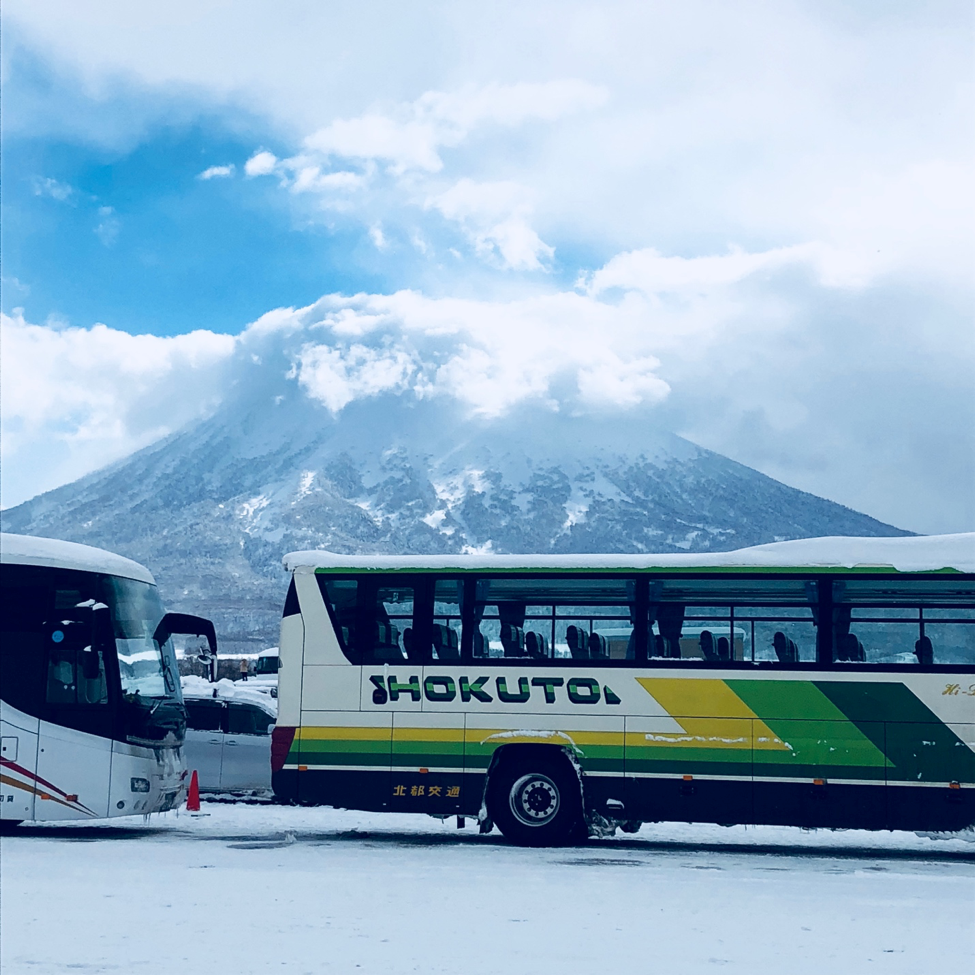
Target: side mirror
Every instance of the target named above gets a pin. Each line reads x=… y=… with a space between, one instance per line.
x=186 y=625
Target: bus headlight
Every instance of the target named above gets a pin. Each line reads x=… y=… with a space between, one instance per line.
x=139 y=785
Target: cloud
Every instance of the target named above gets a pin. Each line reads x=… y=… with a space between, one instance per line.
x=649 y=271
x=56 y=190
x=336 y=377
x=262 y=163
x=74 y=399
x=563 y=350
x=399 y=152
x=108 y=227
x=759 y=355
x=218 y=172
x=495 y=217
x=412 y=135
x=301 y=174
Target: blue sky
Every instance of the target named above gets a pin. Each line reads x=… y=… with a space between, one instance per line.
x=130 y=236
x=753 y=221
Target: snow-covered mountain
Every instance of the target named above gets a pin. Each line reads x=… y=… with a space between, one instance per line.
x=212 y=508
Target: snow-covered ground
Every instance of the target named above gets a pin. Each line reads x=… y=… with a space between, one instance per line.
x=261 y=888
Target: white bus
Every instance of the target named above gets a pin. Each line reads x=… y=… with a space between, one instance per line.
x=828 y=682
x=92 y=714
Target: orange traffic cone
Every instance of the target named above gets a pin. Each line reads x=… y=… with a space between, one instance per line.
x=193 y=796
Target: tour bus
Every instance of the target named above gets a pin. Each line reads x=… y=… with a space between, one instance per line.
x=819 y=683
x=92 y=715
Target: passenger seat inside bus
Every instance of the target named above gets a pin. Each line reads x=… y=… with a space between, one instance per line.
x=785 y=649
x=445 y=642
x=386 y=642
x=481 y=646
x=707 y=645
x=535 y=645
x=512 y=640
x=850 y=648
x=924 y=651
x=575 y=637
x=597 y=647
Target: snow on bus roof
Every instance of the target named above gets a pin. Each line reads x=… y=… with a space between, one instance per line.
x=53 y=552
x=923 y=553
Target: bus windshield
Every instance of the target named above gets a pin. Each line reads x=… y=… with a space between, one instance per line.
x=146 y=668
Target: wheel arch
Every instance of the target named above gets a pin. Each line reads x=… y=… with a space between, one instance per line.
x=524 y=754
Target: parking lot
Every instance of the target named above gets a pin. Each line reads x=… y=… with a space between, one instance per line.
x=257 y=888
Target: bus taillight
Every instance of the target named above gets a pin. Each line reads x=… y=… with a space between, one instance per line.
x=281 y=739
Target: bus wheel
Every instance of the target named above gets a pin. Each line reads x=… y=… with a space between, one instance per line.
x=536 y=802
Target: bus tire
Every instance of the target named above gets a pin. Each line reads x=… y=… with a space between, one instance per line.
x=535 y=801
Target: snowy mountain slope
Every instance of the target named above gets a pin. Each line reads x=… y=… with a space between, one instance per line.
x=213 y=508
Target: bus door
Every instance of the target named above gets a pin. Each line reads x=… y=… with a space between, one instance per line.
x=74 y=750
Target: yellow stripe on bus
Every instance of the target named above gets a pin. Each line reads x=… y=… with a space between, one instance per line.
x=427 y=734
x=350 y=733
x=710 y=713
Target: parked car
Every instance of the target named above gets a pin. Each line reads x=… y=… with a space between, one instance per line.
x=228 y=735
x=265 y=676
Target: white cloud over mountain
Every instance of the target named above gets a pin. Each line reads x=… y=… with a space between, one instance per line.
x=73 y=399
x=717 y=348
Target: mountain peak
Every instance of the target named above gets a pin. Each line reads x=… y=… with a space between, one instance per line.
x=213 y=508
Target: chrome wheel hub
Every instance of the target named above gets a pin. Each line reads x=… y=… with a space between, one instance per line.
x=534 y=799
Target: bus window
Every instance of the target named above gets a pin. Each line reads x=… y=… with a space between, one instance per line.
x=553 y=619
x=905 y=621
x=778 y=634
x=147 y=670
x=75 y=669
x=886 y=636
x=951 y=643
x=951 y=633
x=373 y=620
x=340 y=597
x=447 y=597
x=23 y=610
x=391 y=636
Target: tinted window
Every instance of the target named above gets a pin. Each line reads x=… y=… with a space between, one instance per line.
x=246 y=719
x=374 y=619
x=341 y=598
x=553 y=619
x=447 y=601
x=266 y=665
x=75 y=669
x=23 y=611
x=723 y=618
x=923 y=635
x=205 y=715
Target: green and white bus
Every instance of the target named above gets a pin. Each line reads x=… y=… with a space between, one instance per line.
x=827 y=682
